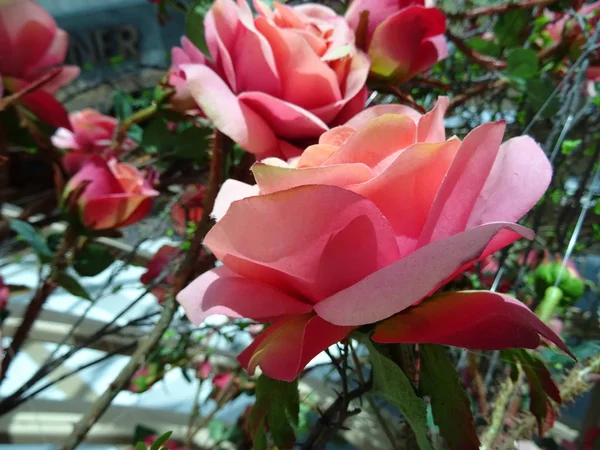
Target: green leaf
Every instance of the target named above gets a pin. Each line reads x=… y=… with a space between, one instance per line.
x=92 y=259
x=140 y=446
x=194 y=24
x=485 y=47
x=569 y=145
x=538 y=91
x=449 y=402
x=278 y=406
x=157 y=133
x=192 y=143
x=541 y=386
x=161 y=440
x=141 y=433
x=71 y=285
x=122 y=105
x=522 y=63
x=30 y=235
x=391 y=384
x=509 y=27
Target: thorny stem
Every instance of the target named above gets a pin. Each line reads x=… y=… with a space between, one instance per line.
x=47 y=287
x=183 y=277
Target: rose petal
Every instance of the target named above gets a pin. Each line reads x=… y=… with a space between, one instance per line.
x=465 y=179
x=518 y=179
x=272 y=179
x=379 y=138
x=410 y=279
x=326 y=222
x=231 y=191
x=405 y=191
x=286 y=119
x=431 y=125
x=477 y=320
x=228 y=114
x=221 y=291
x=288 y=345
x=359 y=120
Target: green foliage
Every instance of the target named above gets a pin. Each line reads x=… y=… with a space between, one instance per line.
x=541 y=386
x=157 y=445
x=194 y=24
x=509 y=27
x=449 y=402
x=569 y=145
x=122 y=103
x=522 y=63
x=570 y=284
x=71 y=285
x=92 y=259
x=278 y=406
x=391 y=384
x=537 y=93
x=485 y=47
x=188 y=142
x=29 y=234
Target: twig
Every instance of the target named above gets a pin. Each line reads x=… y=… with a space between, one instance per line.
x=34 y=86
x=34 y=308
x=473 y=91
x=481 y=59
x=479 y=386
x=139 y=116
x=501 y=403
x=403 y=97
x=183 y=277
x=498 y=9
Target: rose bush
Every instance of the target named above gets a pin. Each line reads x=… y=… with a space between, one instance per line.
x=382 y=24
x=275 y=79
x=33 y=47
x=370 y=223
x=91 y=132
x=109 y=194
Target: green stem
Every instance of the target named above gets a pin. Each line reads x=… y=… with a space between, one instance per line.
x=552 y=298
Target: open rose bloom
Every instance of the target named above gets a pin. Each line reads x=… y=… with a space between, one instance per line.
x=273 y=80
x=364 y=228
x=91 y=133
x=31 y=46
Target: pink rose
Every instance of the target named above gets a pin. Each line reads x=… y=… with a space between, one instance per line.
x=92 y=132
x=31 y=47
x=274 y=80
x=403 y=37
x=370 y=223
x=566 y=27
x=4 y=294
x=109 y=194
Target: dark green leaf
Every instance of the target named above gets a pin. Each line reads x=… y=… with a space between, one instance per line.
x=29 y=234
x=71 y=285
x=509 y=27
x=449 y=402
x=278 y=406
x=391 y=384
x=122 y=105
x=485 y=47
x=140 y=446
x=141 y=433
x=541 y=386
x=522 y=63
x=161 y=440
x=192 y=143
x=538 y=91
x=157 y=134
x=194 y=24
x=54 y=240
x=92 y=259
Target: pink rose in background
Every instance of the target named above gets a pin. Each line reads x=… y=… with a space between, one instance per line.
x=163 y=257
x=4 y=294
x=274 y=80
x=566 y=27
x=110 y=194
x=402 y=37
x=369 y=224
x=189 y=208
x=91 y=132
x=31 y=47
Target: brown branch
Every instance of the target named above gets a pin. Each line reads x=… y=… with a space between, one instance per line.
x=481 y=59
x=499 y=9
x=47 y=287
x=475 y=90
x=183 y=277
x=404 y=97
